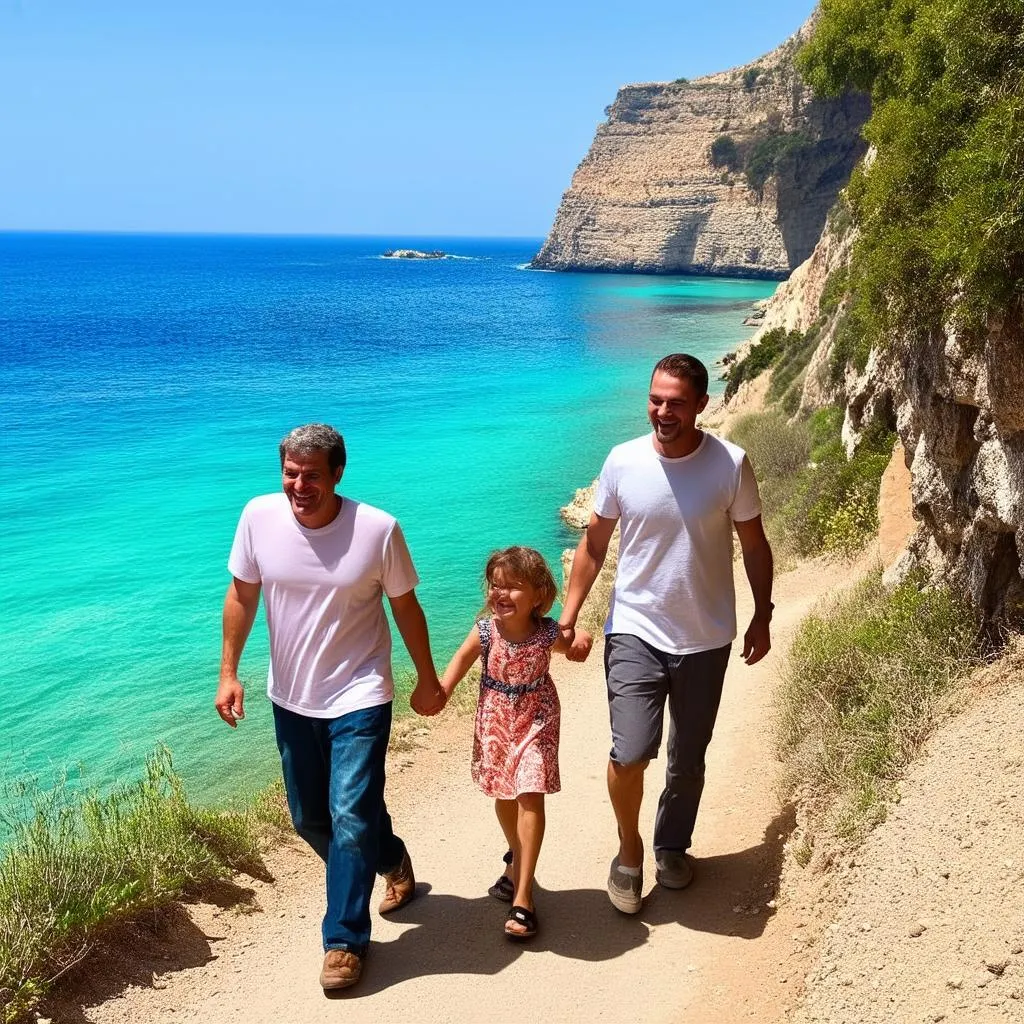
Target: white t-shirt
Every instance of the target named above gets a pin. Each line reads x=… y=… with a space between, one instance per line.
x=673 y=585
x=330 y=645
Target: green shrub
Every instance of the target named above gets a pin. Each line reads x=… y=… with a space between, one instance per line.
x=779 y=449
x=834 y=504
x=725 y=153
x=750 y=77
x=757 y=360
x=80 y=862
x=815 y=499
x=853 y=338
x=770 y=152
x=940 y=211
x=787 y=374
x=861 y=691
x=832 y=295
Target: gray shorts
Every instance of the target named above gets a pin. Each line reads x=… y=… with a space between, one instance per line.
x=641 y=678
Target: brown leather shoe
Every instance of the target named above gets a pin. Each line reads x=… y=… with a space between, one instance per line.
x=400 y=886
x=340 y=970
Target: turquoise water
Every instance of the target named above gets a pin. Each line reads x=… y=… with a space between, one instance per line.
x=146 y=382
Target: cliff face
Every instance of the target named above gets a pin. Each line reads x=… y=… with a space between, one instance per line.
x=959 y=412
x=650 y=197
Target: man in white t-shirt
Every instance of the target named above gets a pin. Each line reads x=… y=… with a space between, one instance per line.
x=324 y=564
x=677 y=494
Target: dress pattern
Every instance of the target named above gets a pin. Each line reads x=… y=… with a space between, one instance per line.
x=515 y=742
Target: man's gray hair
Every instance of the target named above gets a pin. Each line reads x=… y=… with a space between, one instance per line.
x=312 y=438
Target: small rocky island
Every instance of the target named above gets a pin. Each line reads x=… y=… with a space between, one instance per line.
x=414 y=254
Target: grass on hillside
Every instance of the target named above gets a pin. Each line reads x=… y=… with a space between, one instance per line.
x=78 y=863
x=862 y=689
x=815 y=499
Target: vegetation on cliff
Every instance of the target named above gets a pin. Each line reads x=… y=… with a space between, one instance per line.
x=940 y=208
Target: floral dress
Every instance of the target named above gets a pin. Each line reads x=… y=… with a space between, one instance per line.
x=515 y=745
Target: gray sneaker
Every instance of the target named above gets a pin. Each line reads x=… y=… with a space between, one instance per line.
x=624 y=890
x=674 y=870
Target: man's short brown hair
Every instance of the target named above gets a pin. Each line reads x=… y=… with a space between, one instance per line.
x=684 y=367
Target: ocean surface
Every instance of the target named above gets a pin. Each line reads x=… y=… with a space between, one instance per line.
x=144 y=384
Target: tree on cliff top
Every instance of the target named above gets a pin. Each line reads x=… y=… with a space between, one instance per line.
x=941 y=208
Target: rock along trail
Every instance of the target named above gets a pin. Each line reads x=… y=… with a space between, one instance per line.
x=718 y=951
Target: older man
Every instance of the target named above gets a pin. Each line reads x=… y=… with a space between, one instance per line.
x=324 y=563
x=678 y=493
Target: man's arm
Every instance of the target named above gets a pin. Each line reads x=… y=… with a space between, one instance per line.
x=759 y=566
x=428 y=698
x=586 y=564
x=240 y=605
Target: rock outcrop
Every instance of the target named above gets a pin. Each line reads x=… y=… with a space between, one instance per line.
x=650 y=197
x=959 y=413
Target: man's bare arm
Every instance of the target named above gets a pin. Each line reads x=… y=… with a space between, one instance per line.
x=586 y=564
x=240 y=605
x=427 y=698
x=760 y=570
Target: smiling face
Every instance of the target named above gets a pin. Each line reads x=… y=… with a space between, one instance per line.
x=514 y=603
x=673 y=405
x=309 y=482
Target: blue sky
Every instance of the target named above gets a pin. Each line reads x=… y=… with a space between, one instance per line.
x=306 y=116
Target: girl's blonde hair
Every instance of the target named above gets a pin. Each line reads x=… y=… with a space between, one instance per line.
x=524 y=565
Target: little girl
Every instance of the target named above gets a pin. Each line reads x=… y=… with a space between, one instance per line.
x=515 y=745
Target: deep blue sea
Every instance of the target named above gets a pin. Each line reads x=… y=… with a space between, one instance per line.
x=146 y=381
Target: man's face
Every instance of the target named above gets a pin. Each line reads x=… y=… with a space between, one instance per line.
x=309 y=482
x=672 y=407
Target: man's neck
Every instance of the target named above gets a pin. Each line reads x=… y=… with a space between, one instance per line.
x=321 y=523
x=681 y=447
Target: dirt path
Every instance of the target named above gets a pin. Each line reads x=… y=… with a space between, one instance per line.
x=714 y=952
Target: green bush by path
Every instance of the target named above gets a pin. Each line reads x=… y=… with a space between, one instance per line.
x=81 y=862
x=834 y=503
x=862 y=690
x=815 y=499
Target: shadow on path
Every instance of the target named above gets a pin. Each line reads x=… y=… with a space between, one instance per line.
x=459 y=935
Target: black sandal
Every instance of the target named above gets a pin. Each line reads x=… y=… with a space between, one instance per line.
x=527 y=918
x=504 y=888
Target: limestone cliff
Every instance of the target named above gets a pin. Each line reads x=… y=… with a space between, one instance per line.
x=653 y=196
x=959 y=413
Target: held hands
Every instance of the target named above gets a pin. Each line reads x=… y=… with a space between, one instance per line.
x=577 y=642
x=428 y=698
x=757 y=640
x=229 y=700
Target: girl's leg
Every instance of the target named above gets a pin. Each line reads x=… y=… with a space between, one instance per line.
x=508 y=812
x=529 y=835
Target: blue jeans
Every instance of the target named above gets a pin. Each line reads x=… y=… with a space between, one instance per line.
x=334 y=777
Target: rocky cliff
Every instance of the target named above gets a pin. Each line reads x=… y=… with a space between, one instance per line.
x=729 y=174
x=958 y=409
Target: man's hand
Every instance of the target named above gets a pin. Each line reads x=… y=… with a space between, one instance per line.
x=580 y=646
x=428 y=698
x=229 y=700
x=567 y=630
x=757 y=641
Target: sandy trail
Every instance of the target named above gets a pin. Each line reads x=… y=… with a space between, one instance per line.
x=714 y=952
